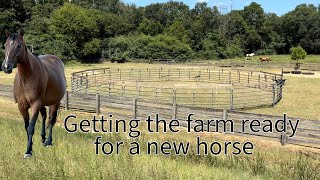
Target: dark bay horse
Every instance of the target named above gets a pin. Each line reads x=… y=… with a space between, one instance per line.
x=39 y=82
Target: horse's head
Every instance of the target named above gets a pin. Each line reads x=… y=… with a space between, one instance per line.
x=14 y=47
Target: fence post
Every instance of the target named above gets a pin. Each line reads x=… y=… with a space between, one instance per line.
x=87 y=85
x=265 y=78
x=231 y=99
x=224 y=114
x=193 y=98
x=109 y=89
x=123 y=90
x=224 y=117
x=135 y=108
x=97 y=104
x=174 y=105
x=66 y=106
x=72 y=82
x=283 y=138
x=274 y=95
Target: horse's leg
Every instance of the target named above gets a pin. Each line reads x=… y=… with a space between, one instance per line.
x=35 y=112
x=25 y=115
x=43 y=112
x=53 y=112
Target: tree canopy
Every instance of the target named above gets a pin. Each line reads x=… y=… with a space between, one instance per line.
x=86 y=30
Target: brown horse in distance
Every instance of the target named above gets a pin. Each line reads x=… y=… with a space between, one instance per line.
x=263 y=59
x=39 y=82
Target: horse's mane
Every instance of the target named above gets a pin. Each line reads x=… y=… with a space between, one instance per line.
x=13 y=36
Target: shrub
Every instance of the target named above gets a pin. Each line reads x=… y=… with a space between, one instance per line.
x=233 y=50
x=148 y=47
x=297 y=53
x=266 y=52
x=46 y=44
x=92 y=50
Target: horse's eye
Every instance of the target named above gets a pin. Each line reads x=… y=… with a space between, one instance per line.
x=19 y=46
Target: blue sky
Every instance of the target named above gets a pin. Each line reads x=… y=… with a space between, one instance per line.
x=279 y=7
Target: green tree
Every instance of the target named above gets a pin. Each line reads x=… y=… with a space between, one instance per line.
x=166 y=13
x=150 y=27
x=254 y=15
x=311 y=41
x=92 y=50
x=236 y=25
x=46 y=44
x=114 y=24
x=297 y=53
x=177 y=30
x=148 y=47
x=212 y=46
x=295 y=25
x=252 y=41
x=12 y=16
x=64 y=28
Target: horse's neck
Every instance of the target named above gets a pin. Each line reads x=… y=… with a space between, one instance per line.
x=28 y=65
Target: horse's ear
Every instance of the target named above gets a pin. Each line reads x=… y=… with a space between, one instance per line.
x=20 y=32
x=7 y=33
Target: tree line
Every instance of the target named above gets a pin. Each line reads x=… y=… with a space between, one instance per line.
x=87 y=30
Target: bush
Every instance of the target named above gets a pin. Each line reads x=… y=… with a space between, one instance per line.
x=46 y=44
x=92 y=50
x=148 y=47
x=266 y=52
x=233 y=50
x=297 y=53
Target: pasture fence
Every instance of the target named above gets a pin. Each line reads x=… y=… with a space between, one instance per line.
x=94 y=92
x=193 y=87
x=307 y=134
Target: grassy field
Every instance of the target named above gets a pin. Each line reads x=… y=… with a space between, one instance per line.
x=73 y=157
x=275 y=59
x=300 y=91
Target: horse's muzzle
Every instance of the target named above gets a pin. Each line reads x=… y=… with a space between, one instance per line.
x=7 y=68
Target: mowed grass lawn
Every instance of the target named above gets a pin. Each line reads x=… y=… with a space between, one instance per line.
x=73 y=155
x=300 y=94
x=275 y=59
